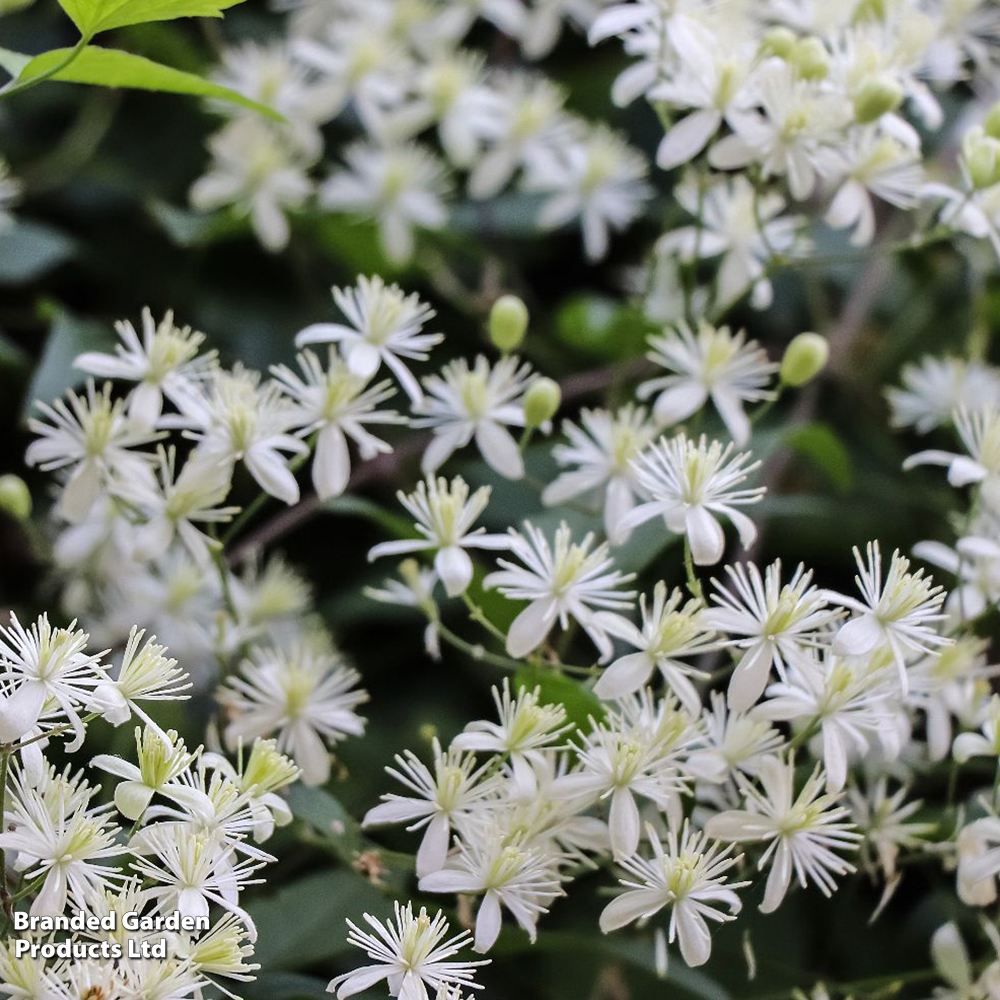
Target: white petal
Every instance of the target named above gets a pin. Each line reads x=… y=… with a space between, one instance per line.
x=331 y=468
x=454 y=567
x=625 y=675
x=859 y=636
x=499 y=449
x=624 y=823
x=688 y=138
x=488 y=921
x=530 y=628
x=705 y=535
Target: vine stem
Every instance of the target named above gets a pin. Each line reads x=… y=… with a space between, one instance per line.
x=693 y=583
x=16 y=88
x=5 y=899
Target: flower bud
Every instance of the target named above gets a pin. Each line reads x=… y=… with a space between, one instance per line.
x=428 y=732
x=508 y=323
x=877 y=97
x=869 y=11
x=810 y=58
x=805 y=357
x=778 y=42
x=991 y=123
x=982 y=158
x=15 y=497
x=541 y=402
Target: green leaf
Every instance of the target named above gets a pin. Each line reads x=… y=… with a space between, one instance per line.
x=92 y=16
x=13 y=62
x=580 y=703
x=114 y=68
x=195 y=229
x=284 y=986
x=820 y=444
x=303 y=923
x=30 y=249
x=68 y=336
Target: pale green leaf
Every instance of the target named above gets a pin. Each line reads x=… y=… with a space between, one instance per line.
x=13 y=62
x=30 y=249
x=115 y=68
x=818 y=442
x=93 y=16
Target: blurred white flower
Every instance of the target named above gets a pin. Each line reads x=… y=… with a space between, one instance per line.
x=401 y=187
x=935 y=387
x=597 y=178
x=259 y=173
x=305 y=696
x=601 y=450
x=10 y=194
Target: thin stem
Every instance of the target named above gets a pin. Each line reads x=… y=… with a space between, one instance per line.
x=28 y=889
x=693 y=583
x=5 y=899
x=477 y=614
x=258 y=501
x=16 y=88
x=805 y=734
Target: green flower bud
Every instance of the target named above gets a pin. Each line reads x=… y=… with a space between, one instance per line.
x=868 y=11
x=877 y=97
x=982 y=158
x=991 y=123
x=508 y=323
x=541 y=402
x=810 y=58
x=805 y=357
x=15 y=497
x=778 y=42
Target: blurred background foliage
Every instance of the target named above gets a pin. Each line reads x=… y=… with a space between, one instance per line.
x=104 y=229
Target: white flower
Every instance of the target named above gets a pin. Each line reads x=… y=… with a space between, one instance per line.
x=849 y=701
x=978 y=846
x=451 y=791
x=746 y=229
x=414 y=590
x=10 y=193
x=162 y=758
x=507 y=871
x=531 y=118
x=732 y=741
x=146 y=674
x=336 y=404
x=56 y=833
x=984 y=744
x=190 y=869
x=597 y=178
x=689 y=877
x=410 y=953
x=260 y=173
x=804 y=831
x=670 y=632
x=787 y=139
x=883 y=818
x=873 y=164
x=634 y=753
x=951 y=960
x=781 y=624
x=601 y=449
x=51 y=674
x=712 y=364
x=91 y=438
x=305 y=695
x=479 y=402
x=401 y=187
x=561 y=581
x=173 y=503
x=689 y=482
x=444 y=514
x=979 y=431
x=383 y=327
x=526 y=728
x=449 y=91
x=934 y=388
x=235 y=418
x=899 y=612
x=164 y=362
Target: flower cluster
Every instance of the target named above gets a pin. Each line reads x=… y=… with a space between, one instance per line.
x=175 y=848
